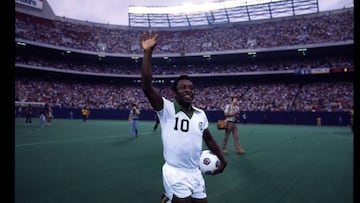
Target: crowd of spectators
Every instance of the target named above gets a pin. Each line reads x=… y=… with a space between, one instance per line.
x=316 y=96
x=229 y=67
x=323 y=27
x=327 y=27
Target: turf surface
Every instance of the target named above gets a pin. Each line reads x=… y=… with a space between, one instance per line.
x=97 y=161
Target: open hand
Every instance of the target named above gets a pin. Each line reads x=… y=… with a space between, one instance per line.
x=148 y=40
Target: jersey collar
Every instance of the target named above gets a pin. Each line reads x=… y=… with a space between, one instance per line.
x=180 y=108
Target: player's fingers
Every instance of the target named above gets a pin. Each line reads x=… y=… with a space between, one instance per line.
x=143 y=36
x=217 y=171
x=153 y=34
x=220 y=169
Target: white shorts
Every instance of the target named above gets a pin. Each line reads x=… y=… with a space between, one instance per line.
x=183 y=182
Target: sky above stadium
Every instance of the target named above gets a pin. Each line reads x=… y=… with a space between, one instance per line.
x=116 y=11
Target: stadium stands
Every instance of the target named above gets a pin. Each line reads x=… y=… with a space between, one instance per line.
x=298 y=63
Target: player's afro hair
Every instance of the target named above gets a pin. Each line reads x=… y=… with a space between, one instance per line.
x=181 y=77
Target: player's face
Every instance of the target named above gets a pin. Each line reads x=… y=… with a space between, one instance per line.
x=185 y=92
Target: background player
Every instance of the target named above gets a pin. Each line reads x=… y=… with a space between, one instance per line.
x=133 y=119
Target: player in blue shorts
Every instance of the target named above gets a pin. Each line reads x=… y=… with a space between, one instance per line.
x=183 y=130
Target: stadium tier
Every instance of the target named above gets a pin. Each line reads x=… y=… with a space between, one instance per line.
x=296 y=63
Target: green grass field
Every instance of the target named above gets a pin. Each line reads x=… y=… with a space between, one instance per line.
x=97 y=161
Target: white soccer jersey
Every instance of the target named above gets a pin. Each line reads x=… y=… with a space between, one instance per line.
x=182 y=135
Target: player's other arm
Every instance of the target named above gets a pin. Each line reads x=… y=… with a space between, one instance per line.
x=214 y=147
x=148 y=43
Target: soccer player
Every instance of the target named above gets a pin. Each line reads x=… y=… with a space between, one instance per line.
x=42 y=118
x=183 y=129
x=85 y=112
x=133 y=119
x=49 y=114
x=28 y=114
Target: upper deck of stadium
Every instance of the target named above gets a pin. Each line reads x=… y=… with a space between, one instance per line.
x=269 y=25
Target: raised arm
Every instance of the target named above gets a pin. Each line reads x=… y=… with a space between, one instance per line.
x=148 y=43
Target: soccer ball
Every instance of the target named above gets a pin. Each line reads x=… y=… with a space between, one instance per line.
x=208 y=162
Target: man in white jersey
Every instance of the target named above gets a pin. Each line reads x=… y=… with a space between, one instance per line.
x=183 y=128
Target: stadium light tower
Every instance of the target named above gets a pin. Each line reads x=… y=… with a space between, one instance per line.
x=195 y=8
x=217 y=12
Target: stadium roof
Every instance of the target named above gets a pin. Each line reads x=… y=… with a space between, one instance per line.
x=219 y=13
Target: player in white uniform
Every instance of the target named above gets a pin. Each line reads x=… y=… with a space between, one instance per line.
x=184 y=127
